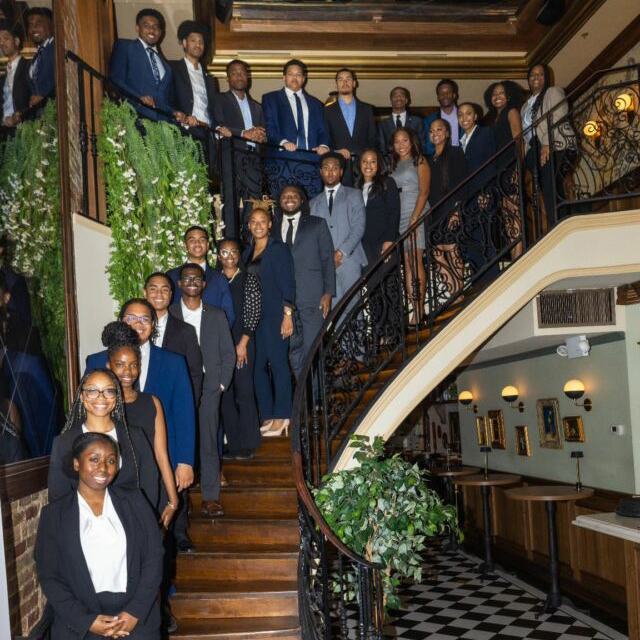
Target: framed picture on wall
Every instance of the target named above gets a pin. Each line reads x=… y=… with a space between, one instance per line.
x=522 y=441
x=454 y=427
x=573 y=429
x=495 y=428
x=481 y=431
x=548 y=411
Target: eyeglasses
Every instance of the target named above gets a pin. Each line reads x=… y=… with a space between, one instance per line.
x=132 y=319
x=227 y=253
x=192 y=279
x=108 y=394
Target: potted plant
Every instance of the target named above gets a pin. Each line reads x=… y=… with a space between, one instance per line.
x=384 y=511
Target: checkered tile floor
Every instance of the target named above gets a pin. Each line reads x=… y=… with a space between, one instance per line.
x=454 y=603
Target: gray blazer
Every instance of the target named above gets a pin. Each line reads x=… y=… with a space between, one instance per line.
x=346 y=224
x=564 y=136
x=312 y=260
x=216 y=345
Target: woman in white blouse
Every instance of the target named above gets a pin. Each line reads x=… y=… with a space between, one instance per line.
x=99 y=552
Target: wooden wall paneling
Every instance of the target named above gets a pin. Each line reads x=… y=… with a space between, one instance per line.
x=563 y=526
x=539 y=535
x=632 y=555
x=510 y=516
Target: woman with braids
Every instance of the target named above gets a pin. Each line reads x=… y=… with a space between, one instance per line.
x=542 y=144
x=142 y=409
x=99 y=549
x=98 y=408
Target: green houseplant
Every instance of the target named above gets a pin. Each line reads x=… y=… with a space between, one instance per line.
x=384 y=511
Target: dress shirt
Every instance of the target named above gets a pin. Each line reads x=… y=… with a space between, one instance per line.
x=194 y=318
x=349 y=112
x=104 y=545
x=199 y=89
x=246 y=110
x=402 y=116
x=335 y=193
x=7 y=98
x=145 y=354
x=294 y=110
x=366 y=189
x=466 y=137
x=452 y=119
x=161 y=327
x=35 y=62
x=295 y=218
x=159 y=63
x=527 y=119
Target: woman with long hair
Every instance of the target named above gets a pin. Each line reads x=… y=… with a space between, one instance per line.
x=412 y=175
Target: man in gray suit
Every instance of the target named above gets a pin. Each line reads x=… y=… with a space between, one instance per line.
x=343 y=210
x=218 y=360
x=311 y=246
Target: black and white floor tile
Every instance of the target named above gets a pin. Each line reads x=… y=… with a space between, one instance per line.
x=453 y=602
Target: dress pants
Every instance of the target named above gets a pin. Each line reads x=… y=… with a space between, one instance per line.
x=209 y=420
x=274 y=402
x=308 y=322
x=239 y=410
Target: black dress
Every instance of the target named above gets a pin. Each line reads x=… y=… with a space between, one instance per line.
x=239 y=410
x=382 y=221
x=142 y=413
x=503 y=136
x=448 y=170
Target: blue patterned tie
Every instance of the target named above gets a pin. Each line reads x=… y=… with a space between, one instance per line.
x=154 y=64
x=302 y=140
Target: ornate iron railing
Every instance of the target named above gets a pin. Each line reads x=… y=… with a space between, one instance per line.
x=470 y=236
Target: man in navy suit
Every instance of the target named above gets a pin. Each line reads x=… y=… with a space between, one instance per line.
x=217 y=293
x=138 y=67
x=447 y=95
x=295 y=121
x=42 y=69
x=400 y=117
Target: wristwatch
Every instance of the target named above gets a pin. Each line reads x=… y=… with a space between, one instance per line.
x=288 y=312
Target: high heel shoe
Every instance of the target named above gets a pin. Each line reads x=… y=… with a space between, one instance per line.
x=278 y=432
x=266 y=425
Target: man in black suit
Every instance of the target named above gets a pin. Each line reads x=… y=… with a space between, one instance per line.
x=42 y=68
x=350 y=122
x=174 y=334
x=219 y=359
x=312 y=249
x=15 y=91
x=239 y=116
x=400 y=117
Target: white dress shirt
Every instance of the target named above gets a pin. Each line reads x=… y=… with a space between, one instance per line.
x=159 y=62
x=294 y=110
x=199 y=88
x=466 y=137
x=8 y=108
x=402 y=116
x=295 y=219
x=194 y=318
x=335 y=193
x=104 y=545
x=145 y=354
x=161 y=327
x=366 y=188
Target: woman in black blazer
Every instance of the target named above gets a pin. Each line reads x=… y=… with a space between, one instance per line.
x=382 y=205
x=271 y=261
x=103 y=414
x=99 y=552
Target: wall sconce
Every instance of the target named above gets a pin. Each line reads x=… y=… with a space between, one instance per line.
x=576 y=455
x=510 y=395
x=465 y=398
x=486 y=451
x=593 y=130
x=574 y=389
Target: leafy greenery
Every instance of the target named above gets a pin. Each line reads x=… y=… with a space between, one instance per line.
x=157 y=187
x=30 y=217
x=384 y=511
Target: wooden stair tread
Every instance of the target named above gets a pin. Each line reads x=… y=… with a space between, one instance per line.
x=248 y=518
x=189 y=588
x=246 y=550
x=236 y=627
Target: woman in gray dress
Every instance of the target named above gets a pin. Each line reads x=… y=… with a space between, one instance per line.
x=411 y=173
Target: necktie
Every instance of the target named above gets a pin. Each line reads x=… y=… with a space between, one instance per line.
x=33 y=69
x=330 y=201
x=302 y=140
x=289 y=239
x=154 y=64
x=398 y=122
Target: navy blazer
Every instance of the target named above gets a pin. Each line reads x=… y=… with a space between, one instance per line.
x=429 y=149
x=167 y=379
x=64 y=576
x=481 y=147
x=281 y=124
x=217 y=292
x=43 y=80
x=130 y=69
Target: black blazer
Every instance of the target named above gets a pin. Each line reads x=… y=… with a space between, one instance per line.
x=181 y=338
x=364 y=129
x=388 y=126
x=63 y=479
x=64 y=576
x=481 y=147
x=183 y=93
x=446 y=174
x=21 y=88
x=226 y=111
x=382 y=222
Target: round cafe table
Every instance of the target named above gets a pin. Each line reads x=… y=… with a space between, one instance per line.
x=448 y=475
x=550 y=495
x=485 y=484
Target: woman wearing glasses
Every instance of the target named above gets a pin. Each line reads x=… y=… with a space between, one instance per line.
x=239 y=411
x=98 y=408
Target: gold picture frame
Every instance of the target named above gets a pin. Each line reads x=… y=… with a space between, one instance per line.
x=573 y=429
x=548 y=411
x=495 y=429
x=481 y=431
x=523 y=448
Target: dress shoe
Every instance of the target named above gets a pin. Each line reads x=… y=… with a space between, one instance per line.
x=245 y=454
x=265 y=426
x=223 y=481
x=184 y=545
x=212 y=508
x=277 y=430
